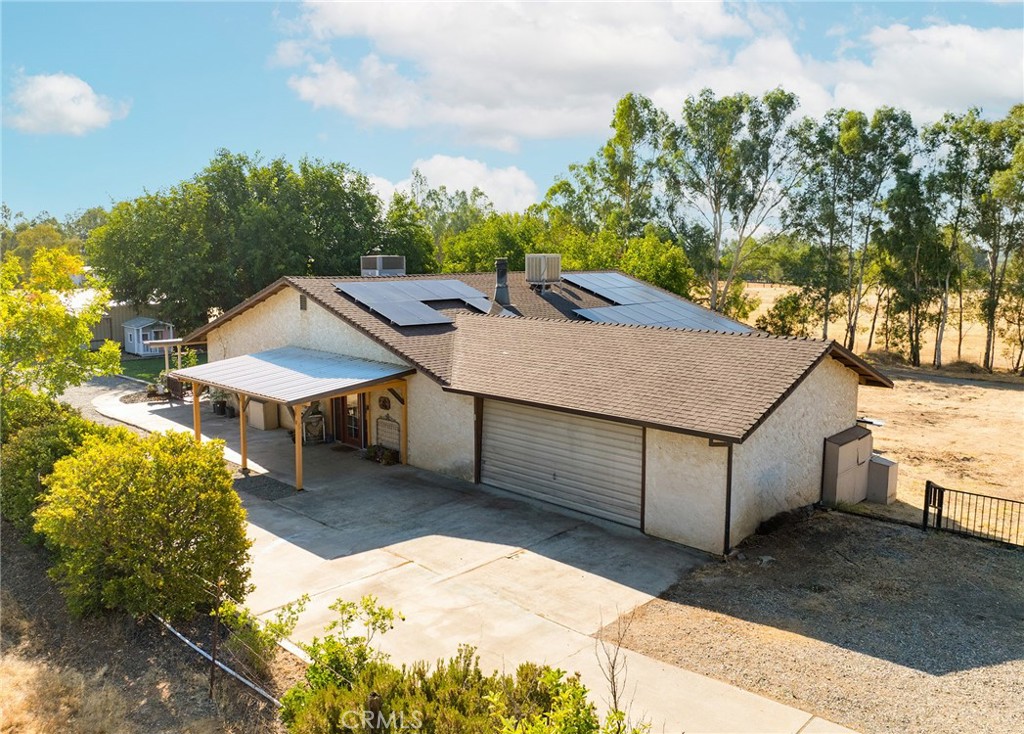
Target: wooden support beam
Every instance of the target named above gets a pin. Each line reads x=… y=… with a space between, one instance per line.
x=196 y=420
x=243 y=404
x=405 y=425
x=297 y=416
x=167 y=358
x=178 y=349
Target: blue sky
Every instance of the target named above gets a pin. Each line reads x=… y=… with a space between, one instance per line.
x=102 y=101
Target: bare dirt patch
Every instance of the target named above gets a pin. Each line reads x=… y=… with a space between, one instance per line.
x=962 y=433
x=108 y=674
x=879 y=627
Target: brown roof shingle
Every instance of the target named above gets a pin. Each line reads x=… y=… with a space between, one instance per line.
x=705 y=383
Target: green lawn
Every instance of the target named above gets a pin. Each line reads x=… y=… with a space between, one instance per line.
x=149 y=369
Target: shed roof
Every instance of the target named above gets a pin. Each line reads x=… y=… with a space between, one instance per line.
x=292 y=375
x=722 y=386
x=141 y=322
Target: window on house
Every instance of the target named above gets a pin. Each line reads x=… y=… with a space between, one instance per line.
x=130 y=339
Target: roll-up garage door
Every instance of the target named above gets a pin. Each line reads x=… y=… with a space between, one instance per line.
x=589 y=465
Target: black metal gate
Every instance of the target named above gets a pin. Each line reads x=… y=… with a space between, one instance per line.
x=975 y=515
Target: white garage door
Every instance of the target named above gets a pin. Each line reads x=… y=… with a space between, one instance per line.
x=585 y=464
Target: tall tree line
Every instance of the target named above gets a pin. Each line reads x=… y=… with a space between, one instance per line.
x=852 y=207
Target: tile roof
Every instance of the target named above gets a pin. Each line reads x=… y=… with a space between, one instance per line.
x=705 y=383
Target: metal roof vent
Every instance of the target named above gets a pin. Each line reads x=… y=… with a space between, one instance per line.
x=543 y=271
x=376 y=266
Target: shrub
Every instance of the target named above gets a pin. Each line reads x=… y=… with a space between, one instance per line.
x=22 y=408
x=347 y=679
x=28 y=458
x=253 y=643
x=145 y=525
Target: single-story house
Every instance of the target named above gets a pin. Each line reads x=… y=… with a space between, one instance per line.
x=593 y=391
x=142 y=329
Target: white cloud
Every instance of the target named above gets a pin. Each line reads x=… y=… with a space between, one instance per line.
x=496 y=73
x=60 y=104
x=509 y=189
x=935 y=69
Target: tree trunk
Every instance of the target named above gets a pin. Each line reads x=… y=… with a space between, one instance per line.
x=940 y=331
x=874 y=317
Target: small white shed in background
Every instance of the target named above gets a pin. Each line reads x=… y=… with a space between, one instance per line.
x=142 y=329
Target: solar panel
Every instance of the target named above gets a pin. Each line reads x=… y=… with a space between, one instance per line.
x=404 y=302
x=410 y=313
x=636 y=303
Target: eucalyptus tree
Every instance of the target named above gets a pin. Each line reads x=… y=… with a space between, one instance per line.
x=729 y=166
x=1000 y=222
x=617 y=189
x=952 y=148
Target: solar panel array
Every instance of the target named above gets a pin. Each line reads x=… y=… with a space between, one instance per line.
x=404 y=302
x=636 y=303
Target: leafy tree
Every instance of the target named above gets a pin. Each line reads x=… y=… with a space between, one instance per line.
x=145 y=525
x=406 y=234
x=790 y=315
x=730 y=169
x=916 y=258
x=44 y=336
x=448 y=214
x=206 y=244
x=616 y=189
x=510 y=236
x=661 y=263
x=1011 y=312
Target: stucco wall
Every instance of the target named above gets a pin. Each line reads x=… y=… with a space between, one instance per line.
x=440 y=429
x=779 y=467
x=685 y=490
x=278 y=322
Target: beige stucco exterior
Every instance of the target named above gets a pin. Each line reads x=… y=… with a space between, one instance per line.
x=280 y=322
x=778 y=468
x=440 y=429
x=685 y=490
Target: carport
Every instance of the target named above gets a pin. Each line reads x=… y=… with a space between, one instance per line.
x=293 y=377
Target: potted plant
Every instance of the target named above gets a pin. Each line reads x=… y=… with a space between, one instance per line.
x=218 y=401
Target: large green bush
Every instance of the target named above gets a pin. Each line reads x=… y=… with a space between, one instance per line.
x=28 y=458
x=145 y=525
x=21 y=408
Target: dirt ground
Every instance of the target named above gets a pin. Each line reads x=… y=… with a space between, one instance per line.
x=973 y=349
x=107 y=674
x=962 y=433
x=876 y=626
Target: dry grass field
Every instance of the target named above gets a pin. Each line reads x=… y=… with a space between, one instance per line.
x=974 y=331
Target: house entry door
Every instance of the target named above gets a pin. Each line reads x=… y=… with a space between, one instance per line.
x=349 y=422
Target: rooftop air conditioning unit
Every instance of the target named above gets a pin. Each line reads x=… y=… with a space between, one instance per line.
x=376 y=266
x=543 y=270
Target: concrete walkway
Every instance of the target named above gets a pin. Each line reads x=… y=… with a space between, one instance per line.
x=519 y=581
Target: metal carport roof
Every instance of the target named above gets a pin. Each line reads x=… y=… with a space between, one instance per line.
x=292 y=375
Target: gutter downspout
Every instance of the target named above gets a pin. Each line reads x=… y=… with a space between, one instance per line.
x=726 y=543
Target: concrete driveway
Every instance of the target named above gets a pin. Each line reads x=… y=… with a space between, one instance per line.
x=518 y=580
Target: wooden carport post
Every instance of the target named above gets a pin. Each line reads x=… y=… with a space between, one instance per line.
x=243 y=405
x=196 y=420
x=405 y=423
x=297 y=415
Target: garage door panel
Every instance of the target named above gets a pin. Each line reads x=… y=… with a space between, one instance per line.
x=586 y=464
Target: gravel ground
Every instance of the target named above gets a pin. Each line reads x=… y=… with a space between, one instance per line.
x=876 y=626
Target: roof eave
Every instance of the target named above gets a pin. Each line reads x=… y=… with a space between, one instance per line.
x=601 y=416
x=868 y=374
x=198 y=335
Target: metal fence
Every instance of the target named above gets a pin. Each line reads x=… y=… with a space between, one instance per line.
x=976 y=515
